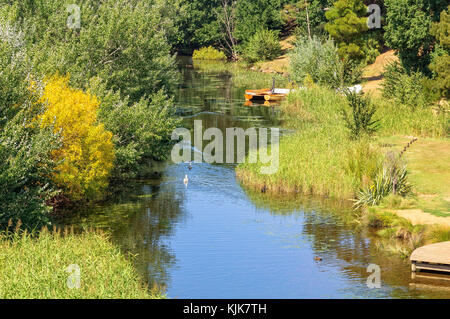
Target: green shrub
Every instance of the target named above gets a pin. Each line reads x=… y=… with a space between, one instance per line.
x=208 y=53
x=141 y=130
x=318 y=59
x=25 y=170
x=14 y=66
x=125 y=43
x=361 y=122
x=404 y=88
x=254 y=15
x=25 y=150
x=263 y=45
x=391 y=179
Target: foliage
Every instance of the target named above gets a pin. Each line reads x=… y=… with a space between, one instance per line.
x=363 y=162
x=25 y=167
x=262 y=46
x=302 y=11
x=208 y=53
x=142 y=130
x=408 y=30
x=25 y=150
x=199 y=27
x=372 y=46
x=392 y=179
x=124 y=42
x=404 y=88
x=36 y=266
x=318 y=60
x=440 y=64
x=254 y=15
x=361 y=122
x=87 y=151
x=346 y=24
x=15 y=68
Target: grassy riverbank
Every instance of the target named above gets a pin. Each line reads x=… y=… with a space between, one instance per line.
x=36 y=267
x=320 y=159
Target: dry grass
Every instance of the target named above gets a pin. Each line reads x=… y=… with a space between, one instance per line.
x=281 y=64
x=372 y=75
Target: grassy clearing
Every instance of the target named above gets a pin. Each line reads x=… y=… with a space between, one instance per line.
x=429 y=164
x=36 y=267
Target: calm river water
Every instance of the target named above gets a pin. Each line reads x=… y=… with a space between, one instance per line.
x=215 y=239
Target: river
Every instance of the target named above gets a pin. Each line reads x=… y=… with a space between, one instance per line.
x=215 y=239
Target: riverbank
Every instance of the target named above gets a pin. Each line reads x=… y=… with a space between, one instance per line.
x=320 y=159
x=45 y=265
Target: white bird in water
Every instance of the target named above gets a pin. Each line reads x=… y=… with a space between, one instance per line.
x=186 y=180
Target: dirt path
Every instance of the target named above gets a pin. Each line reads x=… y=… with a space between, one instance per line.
x=419 y=217
x=372 y=76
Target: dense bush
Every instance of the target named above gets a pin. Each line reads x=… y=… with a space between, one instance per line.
x=254 y=15
x=123 y=42
x=25 y=150
x=263 y=45
x=404 y=88
x=15 y=67
x=391 y=179
x=208 y=53
x=361 y=121
x=408 y=30
x=440 y=63
x=318 y=60
x=25 y=168
x=87 y=155
x=142 y=130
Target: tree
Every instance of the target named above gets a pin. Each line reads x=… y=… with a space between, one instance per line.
x=226 y=16
x=408 y=30
x=309 y=16
x=440 y=64
x=254 y=15
x=346 y=24
x=124 y=42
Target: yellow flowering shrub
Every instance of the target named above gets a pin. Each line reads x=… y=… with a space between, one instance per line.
x=86 y=156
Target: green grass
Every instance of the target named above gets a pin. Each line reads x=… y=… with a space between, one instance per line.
x=35 y=267
x=319 y=158
x=429 y=165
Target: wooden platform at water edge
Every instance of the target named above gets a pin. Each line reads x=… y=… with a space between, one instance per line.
x=434 y=257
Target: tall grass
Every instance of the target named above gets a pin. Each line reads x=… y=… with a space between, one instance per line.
x=319 y=158
x=35 y=266
x=313 y=159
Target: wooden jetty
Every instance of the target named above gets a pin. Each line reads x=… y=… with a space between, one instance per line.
x=435 y=257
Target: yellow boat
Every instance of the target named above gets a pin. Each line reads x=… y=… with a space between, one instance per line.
x=266 y=94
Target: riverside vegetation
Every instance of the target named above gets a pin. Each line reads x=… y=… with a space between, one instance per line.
x=342 y=146
x=84 y=109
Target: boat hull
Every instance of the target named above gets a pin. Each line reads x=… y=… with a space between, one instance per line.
x=266 y=94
